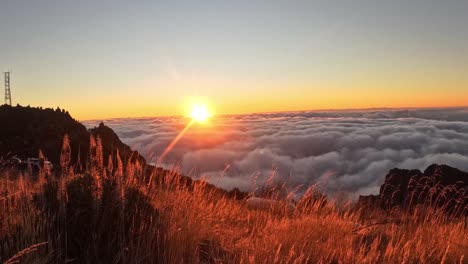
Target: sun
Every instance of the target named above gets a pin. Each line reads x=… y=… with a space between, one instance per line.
x=200 y=113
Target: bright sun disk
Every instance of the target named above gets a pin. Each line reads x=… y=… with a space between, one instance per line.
x=200 y=113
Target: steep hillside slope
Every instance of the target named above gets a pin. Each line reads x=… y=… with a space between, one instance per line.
x=26 y=130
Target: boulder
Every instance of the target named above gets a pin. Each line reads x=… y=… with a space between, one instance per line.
x=439 y=186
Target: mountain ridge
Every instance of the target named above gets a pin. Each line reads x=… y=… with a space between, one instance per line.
x=30 y=129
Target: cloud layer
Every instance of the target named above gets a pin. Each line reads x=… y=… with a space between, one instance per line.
x=340 y=150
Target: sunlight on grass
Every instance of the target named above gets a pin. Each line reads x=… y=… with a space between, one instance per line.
x=109 y=212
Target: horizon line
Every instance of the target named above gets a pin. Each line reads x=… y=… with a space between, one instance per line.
x=287 y=111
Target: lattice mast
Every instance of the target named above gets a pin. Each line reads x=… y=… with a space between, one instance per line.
x=7 y=88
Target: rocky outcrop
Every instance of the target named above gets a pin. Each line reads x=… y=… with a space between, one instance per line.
x=395 y=190
x=112 y=143
x=439 y=186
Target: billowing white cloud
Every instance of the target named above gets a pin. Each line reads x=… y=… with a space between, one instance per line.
x=339 y=150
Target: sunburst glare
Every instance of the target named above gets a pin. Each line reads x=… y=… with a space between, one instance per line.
x=200 y=113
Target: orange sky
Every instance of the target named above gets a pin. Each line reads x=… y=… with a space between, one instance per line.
x=110 y=59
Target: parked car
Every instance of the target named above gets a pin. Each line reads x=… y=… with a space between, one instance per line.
x=10 y=163
x=37 y=164
x=15 y=160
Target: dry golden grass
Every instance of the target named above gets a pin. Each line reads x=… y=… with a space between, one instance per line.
x=319 y=235
x=124 y=222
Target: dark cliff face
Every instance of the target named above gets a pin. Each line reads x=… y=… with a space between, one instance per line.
x=438 y=186
x=112 y=143
x=447 y=175
x=395 y=187
x=26 y=130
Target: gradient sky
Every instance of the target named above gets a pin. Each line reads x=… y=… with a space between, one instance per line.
x=101 y=59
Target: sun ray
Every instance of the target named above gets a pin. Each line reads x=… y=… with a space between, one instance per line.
x=198 y=114
x=175 y=140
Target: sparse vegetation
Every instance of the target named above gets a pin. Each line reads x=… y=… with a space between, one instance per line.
x=108 y=215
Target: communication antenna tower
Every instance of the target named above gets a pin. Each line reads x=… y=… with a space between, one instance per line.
x=7 y=88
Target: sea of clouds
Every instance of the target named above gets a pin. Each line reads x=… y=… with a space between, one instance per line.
x=349 y=151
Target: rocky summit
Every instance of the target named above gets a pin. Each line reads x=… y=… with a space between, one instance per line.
x=438 y=186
